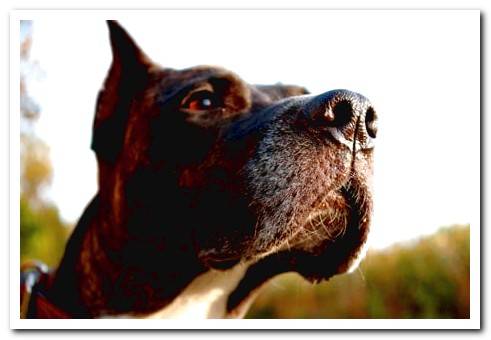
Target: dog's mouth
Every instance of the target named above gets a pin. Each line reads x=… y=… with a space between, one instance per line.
x=325 y=243
x=325 y=232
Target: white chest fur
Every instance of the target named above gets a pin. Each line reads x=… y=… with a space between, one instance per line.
x=206 y=296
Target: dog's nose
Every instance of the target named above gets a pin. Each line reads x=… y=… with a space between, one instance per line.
x=349 y=117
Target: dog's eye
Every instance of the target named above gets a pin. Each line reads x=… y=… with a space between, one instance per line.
x=201 y=101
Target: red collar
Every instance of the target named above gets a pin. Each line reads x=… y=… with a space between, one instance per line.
x=35 y=278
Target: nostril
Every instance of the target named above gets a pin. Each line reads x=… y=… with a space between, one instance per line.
x=339 y=114
x=371 y=122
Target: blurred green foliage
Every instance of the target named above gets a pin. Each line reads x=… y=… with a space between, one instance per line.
x=42 y=232
x=428 y=278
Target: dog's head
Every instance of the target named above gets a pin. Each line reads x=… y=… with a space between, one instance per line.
x=198 y=161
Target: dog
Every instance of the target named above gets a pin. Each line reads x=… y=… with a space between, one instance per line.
x=208 y=187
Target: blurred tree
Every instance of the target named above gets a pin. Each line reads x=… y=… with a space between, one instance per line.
x=36 y=171
x=42 y=232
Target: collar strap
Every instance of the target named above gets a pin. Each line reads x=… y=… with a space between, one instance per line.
x=35 y=277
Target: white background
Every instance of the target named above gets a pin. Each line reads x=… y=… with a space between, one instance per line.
x=420 y=69
x=473 y=181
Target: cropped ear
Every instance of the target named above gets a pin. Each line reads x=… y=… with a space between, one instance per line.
x=127 y=76
x=280 y=91
x=125 y=51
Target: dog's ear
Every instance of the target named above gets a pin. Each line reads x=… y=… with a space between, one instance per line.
x=126 y=53
x=127 y=76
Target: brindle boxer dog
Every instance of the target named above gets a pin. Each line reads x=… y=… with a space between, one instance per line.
x=209 y=187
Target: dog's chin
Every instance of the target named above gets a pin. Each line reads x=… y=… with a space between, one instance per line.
x=336 y=238
x=332 y=239
x=326 y=222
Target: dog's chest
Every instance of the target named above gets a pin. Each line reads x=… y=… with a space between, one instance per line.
x=206 y=296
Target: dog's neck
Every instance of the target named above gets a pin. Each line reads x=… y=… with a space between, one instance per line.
x=92 y=282
x=207 y=297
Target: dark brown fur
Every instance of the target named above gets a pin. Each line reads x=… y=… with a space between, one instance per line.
x=183 y=190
